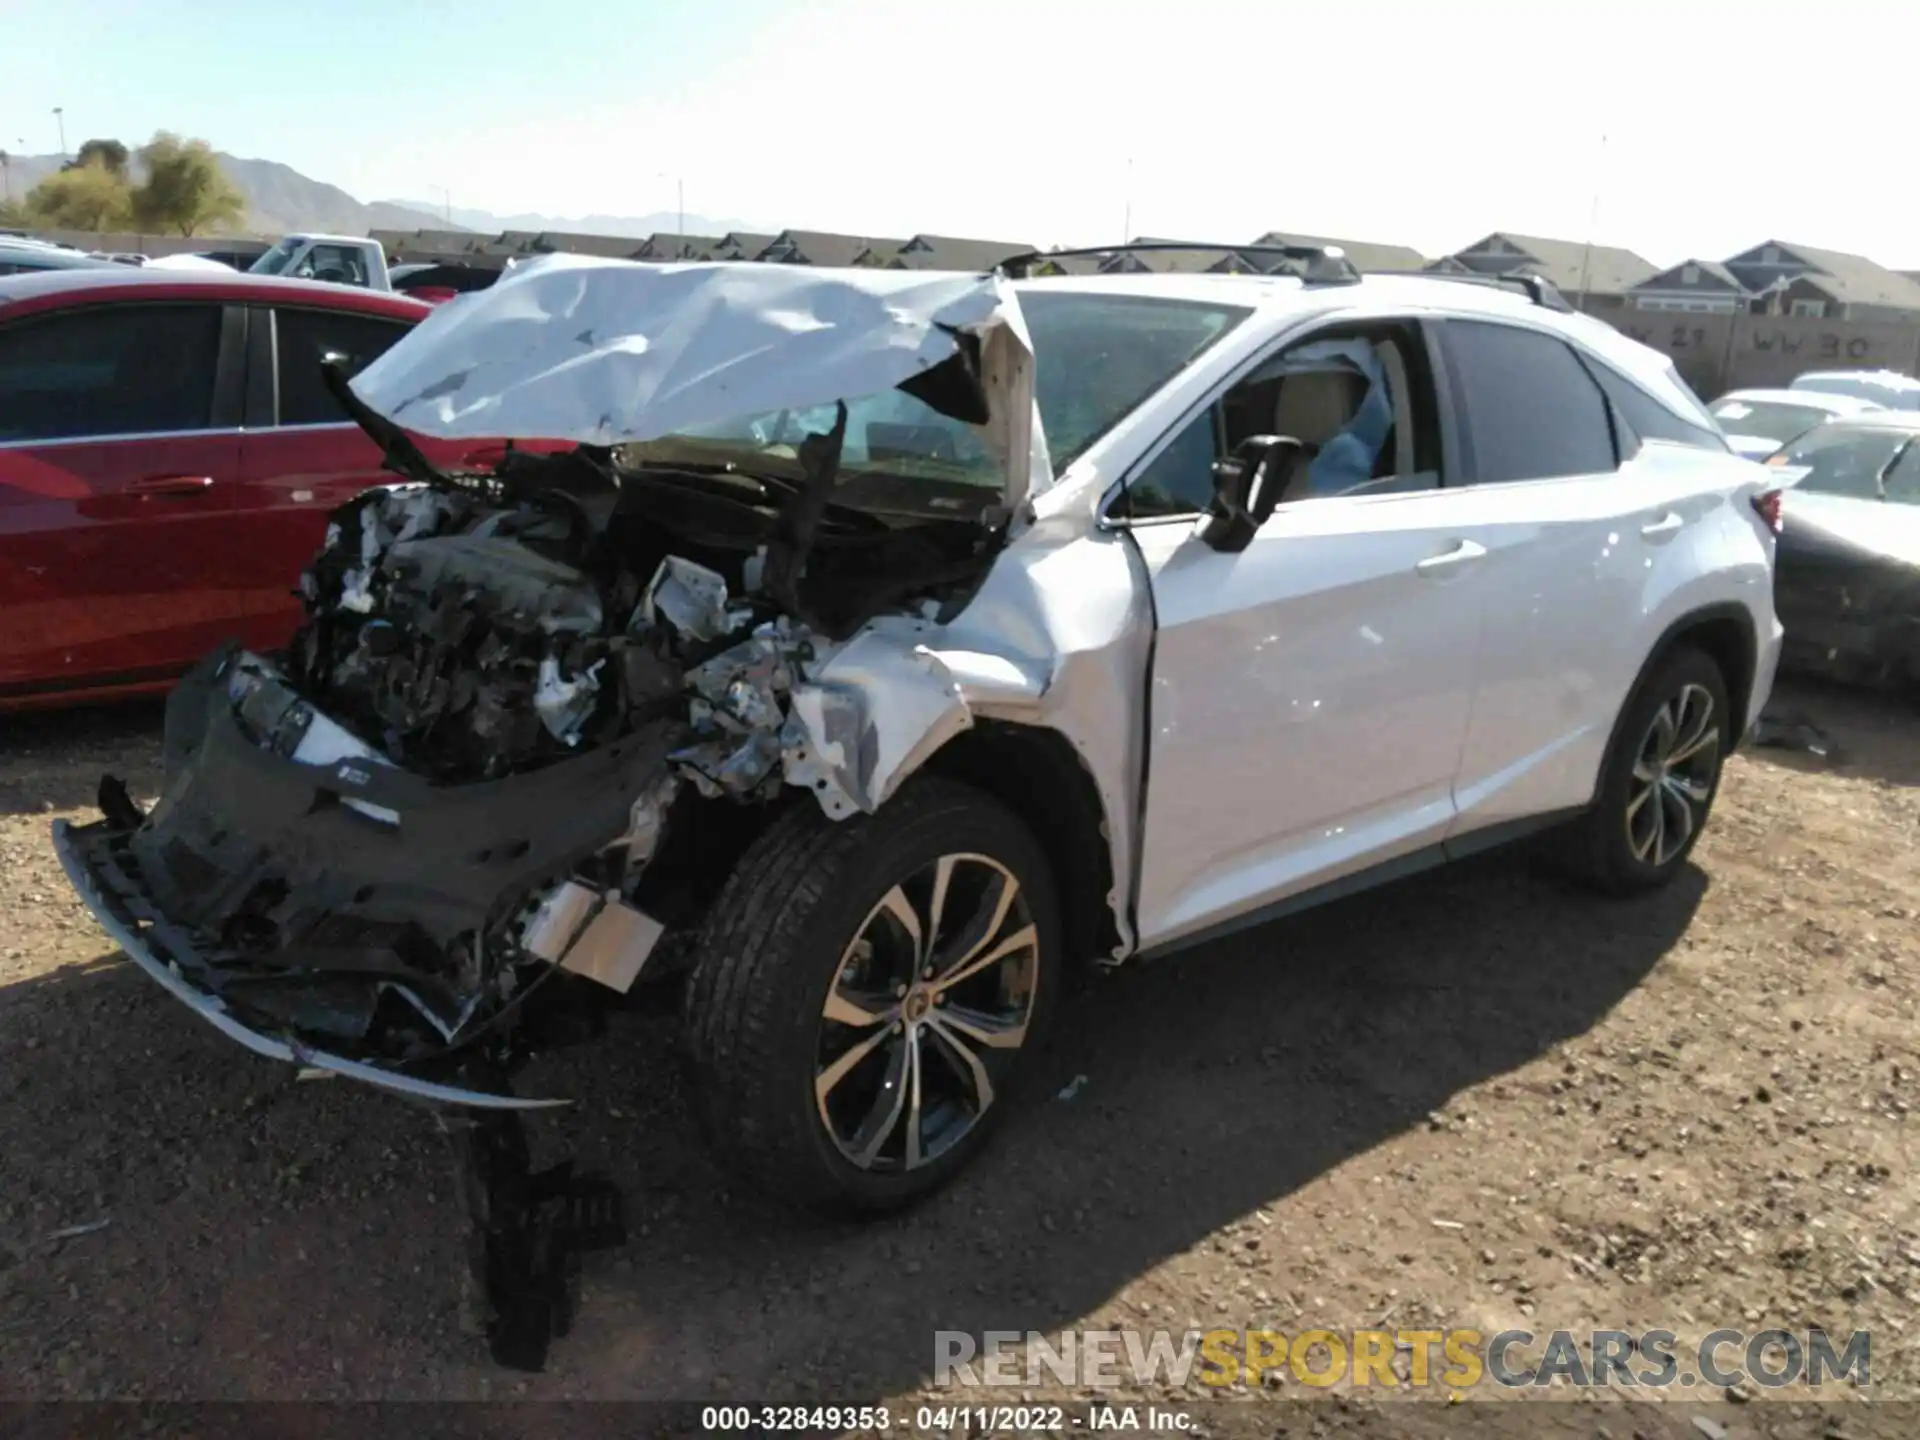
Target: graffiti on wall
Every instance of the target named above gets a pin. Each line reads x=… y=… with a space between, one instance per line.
x=1682 y=338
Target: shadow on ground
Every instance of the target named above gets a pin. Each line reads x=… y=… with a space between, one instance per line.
x=1870 y=732
x=54 y=758
x=287 y=1240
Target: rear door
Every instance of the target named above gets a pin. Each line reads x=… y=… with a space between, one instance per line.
x=1581 y=524
x=119 y=451
x=300 y=455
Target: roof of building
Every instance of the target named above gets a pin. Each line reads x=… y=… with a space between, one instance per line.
x=666 y=245
x=1854 y=279
x=1669 y=277
x=950 y=252
x=824 y=247
x=612 y=247
x=1364 y=254
x=1604 y=269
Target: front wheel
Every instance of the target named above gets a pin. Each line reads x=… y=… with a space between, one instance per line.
x=867 y=994
x=1658 y=782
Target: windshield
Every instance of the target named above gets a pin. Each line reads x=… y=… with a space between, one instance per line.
x=276 y=260
x=1096 y=357
x=890 y=433
x=1768 y=419
x=1843 y=460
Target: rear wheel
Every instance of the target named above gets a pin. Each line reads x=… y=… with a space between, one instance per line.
x=1659 y=780
x=868 y=992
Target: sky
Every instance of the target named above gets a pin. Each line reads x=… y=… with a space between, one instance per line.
x=1685 y=128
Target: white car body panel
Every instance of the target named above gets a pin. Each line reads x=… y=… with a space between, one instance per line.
x=1308 y=702
x=1514 y=671
x=1583 y=576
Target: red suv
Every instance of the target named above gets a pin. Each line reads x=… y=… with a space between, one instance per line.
x=168 y=456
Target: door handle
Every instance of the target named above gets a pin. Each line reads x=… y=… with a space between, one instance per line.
x=170 y=485
x=1447 y=560
x=1666 y=525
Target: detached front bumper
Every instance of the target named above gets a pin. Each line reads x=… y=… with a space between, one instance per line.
x=89 y=855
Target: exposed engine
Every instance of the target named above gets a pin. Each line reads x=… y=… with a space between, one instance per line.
x=469 y=640
x=455 y=782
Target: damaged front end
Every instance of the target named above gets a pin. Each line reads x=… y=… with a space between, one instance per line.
x=371 y=852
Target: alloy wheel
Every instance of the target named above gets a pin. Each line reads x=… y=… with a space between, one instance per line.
x=1673 y=776
x=927 y=1010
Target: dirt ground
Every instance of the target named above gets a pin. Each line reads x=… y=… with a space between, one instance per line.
x=1472 y=1099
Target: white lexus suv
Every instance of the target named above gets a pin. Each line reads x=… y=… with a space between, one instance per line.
x=878 y=647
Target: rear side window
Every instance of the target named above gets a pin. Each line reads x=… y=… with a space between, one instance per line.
x=1648 y=418
x=1530 y=409
x=306 y=339
x=1844 y=461
x=109 y=370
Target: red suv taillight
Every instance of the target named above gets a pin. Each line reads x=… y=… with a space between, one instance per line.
x=1767 y=506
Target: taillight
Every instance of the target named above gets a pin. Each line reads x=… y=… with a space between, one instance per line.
x=1767 y=506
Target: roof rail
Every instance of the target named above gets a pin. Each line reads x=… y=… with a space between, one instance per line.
x=1537 y=288
x=1325 y=264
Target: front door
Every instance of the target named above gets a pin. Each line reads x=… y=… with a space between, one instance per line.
x=1310 y=694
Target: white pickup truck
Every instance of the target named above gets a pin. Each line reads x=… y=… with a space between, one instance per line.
x=342 y=259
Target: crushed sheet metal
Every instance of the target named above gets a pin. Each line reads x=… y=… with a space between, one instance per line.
x=210 y=1009
x=866 y=719
x=606 y=352
x=691 y=598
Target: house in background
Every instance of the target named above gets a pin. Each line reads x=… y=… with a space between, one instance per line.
x=664 y=246
x=564 y=242
x=1589 y=276
x=1790 y=279
x=1366 y=256
x=740 y=245
x=944 y=252
x=1696 y=286
x=822 y=247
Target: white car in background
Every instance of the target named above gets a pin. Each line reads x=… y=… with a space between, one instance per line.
x=1889 y=388
x=1759 y=422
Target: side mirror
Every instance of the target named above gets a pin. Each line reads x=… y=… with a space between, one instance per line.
x=1247 y=485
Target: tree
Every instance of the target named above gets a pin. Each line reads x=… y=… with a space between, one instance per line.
x=185 y=189
x=108 y=155
x=89 y=198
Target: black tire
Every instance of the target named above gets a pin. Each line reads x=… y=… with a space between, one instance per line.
x=776 y=942
x=1602 y=848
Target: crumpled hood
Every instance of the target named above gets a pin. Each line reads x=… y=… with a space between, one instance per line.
x=606 y=352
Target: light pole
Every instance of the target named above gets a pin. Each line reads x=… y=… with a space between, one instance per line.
x=446 y=204
x=60 y=119
x=1126 y=224
x=1593 y=222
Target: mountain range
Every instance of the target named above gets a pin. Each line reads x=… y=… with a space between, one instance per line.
x=281 y=199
